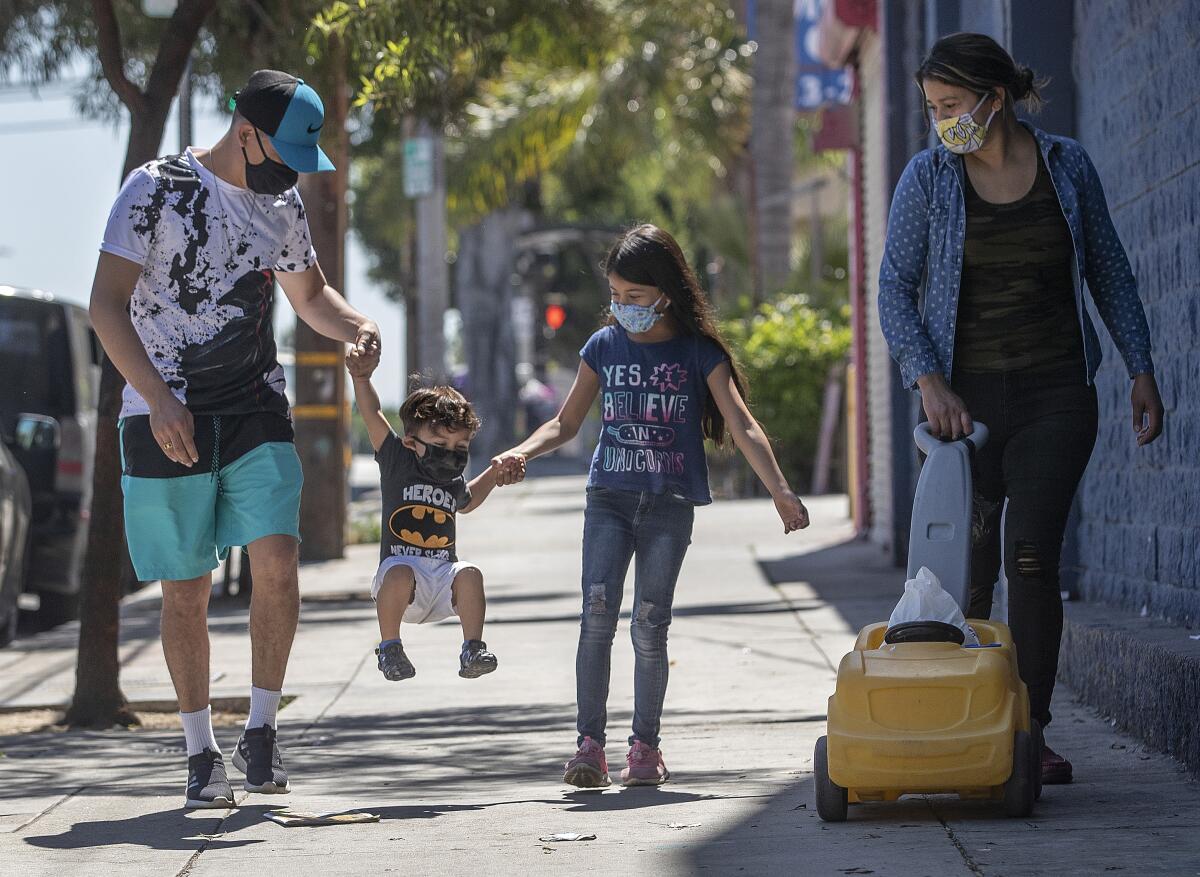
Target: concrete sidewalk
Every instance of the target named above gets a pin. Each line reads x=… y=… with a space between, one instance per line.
x=466 y=773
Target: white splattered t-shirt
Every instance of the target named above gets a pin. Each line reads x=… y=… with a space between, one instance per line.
x=209 y=251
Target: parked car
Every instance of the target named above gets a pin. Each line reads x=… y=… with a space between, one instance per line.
x=49 y=357
x=15 y=514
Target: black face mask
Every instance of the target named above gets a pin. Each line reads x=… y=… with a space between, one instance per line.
x=269 y=177
x=441 y=464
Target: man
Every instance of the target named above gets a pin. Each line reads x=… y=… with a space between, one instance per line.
x=182 y=303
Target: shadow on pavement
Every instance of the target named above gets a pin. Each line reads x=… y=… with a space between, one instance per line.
x=168 y=830
x=856 y=578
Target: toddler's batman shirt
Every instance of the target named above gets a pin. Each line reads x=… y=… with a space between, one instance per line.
x=418 y=511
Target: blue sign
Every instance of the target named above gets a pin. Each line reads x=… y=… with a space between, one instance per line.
x=816 y=85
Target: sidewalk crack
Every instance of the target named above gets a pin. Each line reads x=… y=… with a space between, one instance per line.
x=49 y=809
x=208 y=839
x=971 y=864
x=336 y=698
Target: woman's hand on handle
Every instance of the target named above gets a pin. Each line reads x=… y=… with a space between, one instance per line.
x=946 y=412
x=1147 y=409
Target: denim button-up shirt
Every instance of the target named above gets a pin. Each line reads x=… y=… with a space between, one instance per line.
x=922 y=261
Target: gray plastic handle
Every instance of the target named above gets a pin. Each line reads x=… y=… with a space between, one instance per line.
x=927 y=441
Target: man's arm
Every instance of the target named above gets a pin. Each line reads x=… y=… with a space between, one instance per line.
x=322 y=307
x=170 y=421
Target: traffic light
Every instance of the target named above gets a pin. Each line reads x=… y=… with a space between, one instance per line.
x=556 y=315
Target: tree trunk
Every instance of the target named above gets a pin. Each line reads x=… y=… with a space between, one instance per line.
x=484 y=274
x=98 y=700
x=321 y=416
x=773 y=121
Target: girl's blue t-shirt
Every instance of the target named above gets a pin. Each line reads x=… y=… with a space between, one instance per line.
x=652 y=399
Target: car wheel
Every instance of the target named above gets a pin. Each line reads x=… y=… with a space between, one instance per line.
x=57 y=608
x=8 y=627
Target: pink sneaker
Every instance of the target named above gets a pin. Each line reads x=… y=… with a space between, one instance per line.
x=645 y=766
x=588 y=769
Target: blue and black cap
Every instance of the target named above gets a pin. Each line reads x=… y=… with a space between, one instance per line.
x=290 y=113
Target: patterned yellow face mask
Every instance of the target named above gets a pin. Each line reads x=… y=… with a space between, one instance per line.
x=963 y=134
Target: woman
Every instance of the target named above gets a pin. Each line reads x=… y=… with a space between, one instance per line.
x=999 y=226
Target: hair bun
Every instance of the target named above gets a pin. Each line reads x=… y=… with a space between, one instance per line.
x=1025 y=81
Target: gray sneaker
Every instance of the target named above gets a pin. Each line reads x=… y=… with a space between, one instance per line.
x=393 y=663
x=208 y=785
x=257 y=756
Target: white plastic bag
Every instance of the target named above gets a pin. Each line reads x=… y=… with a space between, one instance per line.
x=925 y=600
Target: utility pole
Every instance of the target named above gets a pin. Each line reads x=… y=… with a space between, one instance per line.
x=321 y=413
x=427 y=149
x=185 y=106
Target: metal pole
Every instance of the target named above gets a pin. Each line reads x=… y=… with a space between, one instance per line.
x=433 y=275
x=185 y=106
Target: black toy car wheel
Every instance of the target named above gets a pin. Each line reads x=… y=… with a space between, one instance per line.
x=831 y=798
x=1021 y=789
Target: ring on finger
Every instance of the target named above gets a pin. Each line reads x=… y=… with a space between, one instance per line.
x=167 y=445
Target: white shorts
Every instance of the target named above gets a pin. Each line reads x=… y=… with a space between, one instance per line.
x=433 y=596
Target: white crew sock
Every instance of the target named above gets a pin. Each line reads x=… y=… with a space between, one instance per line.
x=198 y=731
x=263 y=706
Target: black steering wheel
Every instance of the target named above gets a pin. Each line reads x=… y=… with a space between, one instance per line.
x=924 y=632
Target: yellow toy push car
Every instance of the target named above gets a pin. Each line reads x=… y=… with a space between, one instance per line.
x=916 y=711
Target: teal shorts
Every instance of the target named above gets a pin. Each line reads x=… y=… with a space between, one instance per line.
x=246 y=486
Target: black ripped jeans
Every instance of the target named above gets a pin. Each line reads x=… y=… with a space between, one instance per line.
x=1042 y=429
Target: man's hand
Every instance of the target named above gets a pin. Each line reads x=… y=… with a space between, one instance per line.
x=1147 y=409
x=362 y=363
x=174 y=430
x=368 y=340
x=510 y=468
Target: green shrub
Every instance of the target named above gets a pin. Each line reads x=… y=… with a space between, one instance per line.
x=786 y=349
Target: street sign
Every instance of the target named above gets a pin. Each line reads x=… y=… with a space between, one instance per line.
x=159 y=8
x=816 y=85
x=418 y=167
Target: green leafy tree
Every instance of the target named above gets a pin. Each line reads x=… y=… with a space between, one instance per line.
x=135 y=65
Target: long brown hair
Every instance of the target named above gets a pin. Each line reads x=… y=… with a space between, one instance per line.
x=649 y=256
x=977 y=62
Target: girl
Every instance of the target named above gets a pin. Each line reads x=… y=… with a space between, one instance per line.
x=667 y=382
x=1006 y=223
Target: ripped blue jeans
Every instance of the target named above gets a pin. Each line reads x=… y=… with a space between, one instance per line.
x=620 y=525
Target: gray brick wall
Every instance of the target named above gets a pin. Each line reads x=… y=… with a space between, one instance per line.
x=1138 y=76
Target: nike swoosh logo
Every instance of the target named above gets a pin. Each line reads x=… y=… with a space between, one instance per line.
x=312 y=130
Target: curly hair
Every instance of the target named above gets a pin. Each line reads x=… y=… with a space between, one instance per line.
x=440 y=407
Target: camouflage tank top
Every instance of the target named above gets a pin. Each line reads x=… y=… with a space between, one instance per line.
x=1016 y=306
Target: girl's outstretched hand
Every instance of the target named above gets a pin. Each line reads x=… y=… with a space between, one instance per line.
x=791 y=511
x=510 y=468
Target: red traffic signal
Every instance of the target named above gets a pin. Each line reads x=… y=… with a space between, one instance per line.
x=556 y=315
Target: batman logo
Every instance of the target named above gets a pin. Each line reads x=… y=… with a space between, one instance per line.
x=423 y=526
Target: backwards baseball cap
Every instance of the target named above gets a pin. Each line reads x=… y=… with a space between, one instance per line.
x=290 y=113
